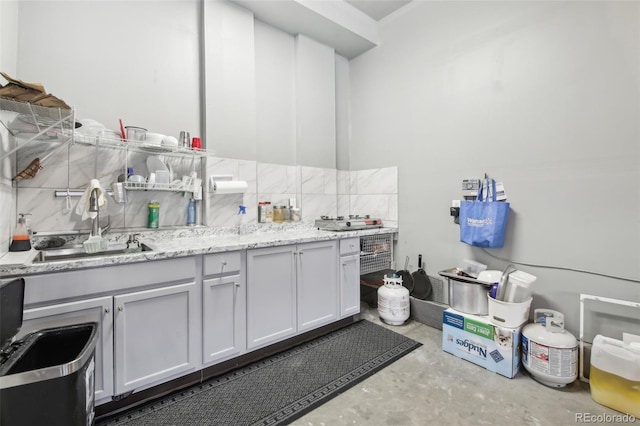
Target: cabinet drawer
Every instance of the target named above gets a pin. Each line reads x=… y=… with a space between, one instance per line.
x=222 y=263
x=108 y=279
x=349 y=246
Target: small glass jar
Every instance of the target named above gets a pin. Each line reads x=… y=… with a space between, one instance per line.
x=269 y=212
x=287 y=214
x=295 y=214
x=278 y=214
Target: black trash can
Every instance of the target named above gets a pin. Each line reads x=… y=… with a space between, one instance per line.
x=47 y=377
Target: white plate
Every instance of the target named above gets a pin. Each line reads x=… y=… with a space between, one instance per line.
x=154 y=164
x=156 y=148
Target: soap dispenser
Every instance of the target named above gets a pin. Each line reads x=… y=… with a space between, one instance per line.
x=21 y=241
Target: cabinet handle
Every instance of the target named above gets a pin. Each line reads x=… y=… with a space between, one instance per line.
x=120 y=308
x=107 y=310
x=222 y=265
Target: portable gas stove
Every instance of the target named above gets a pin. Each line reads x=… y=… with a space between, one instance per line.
x=350 y=223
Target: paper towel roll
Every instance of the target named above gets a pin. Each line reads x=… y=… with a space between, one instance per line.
x=229 y=187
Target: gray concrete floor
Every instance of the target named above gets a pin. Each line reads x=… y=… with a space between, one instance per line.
x=429 y=386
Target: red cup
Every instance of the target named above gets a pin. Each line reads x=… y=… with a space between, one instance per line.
x=196 y=143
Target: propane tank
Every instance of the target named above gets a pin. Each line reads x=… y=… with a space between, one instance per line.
x=393 y=301
x=549 y=352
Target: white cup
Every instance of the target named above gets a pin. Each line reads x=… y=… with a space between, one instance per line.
x=163 y=178
x=151 y=180
x=119 y=195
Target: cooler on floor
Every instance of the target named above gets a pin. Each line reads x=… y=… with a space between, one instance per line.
x=46 y=377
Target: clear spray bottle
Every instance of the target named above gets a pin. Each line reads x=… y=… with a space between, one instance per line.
x=242 y=217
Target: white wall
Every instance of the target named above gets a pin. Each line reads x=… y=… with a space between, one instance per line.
x=275 y=95
x=315 y=103
x=117 y=59
x=342 y=113
x=543 y=96
x=229 y=80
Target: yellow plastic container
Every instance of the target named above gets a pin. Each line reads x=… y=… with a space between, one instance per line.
x=614 y=376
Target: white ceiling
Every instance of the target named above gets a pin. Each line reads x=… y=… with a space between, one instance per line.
x=378 y=9
x=355 y=33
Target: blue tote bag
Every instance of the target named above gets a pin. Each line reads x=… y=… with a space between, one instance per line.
x=483 y=222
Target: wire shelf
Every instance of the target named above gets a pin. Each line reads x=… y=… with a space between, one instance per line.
x=376 y=253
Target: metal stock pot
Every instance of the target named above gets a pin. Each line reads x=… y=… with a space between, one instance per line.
x=467 y=294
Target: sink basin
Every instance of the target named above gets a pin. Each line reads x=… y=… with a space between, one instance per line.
x=78 y=252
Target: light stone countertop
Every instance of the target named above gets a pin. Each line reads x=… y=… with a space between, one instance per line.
x=167 y=244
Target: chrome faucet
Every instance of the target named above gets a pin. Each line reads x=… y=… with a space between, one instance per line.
x=133 y=239
x=95 y=223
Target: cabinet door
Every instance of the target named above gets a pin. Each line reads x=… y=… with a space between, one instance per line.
x=349 y=285
x=271 y=295
x=317 y=284
x=155 y=335
x=96 y=310
x=224 y=325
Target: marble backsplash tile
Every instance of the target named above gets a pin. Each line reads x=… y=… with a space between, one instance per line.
x=373 y=192
x=317 y=191
x=344 y=204
x=376 y=181
x=316 y=205
x=276 y=179
x=343 y=181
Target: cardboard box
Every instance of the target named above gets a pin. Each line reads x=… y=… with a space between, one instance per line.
x=477 y=340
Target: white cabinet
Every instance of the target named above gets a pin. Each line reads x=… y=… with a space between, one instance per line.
x=154 y=335
x=98 y=310
x=223 y=307
x=317 y=284
x=349 y=277
x=147 y=314
x=271 y=295
x=290 y=289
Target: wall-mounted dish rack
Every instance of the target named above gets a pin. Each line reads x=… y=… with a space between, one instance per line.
x=43 y=121
x=57 y=126
x=59 y=123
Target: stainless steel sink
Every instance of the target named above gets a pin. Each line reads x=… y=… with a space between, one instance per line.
x=78 y=252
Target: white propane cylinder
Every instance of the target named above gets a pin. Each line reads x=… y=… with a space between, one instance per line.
x=549 y=352
x=393 y=301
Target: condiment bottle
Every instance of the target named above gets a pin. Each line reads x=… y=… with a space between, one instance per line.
x=154 y=214
x=21 y=241
x=262 y=211
x=269 y=212
x=295 y=214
